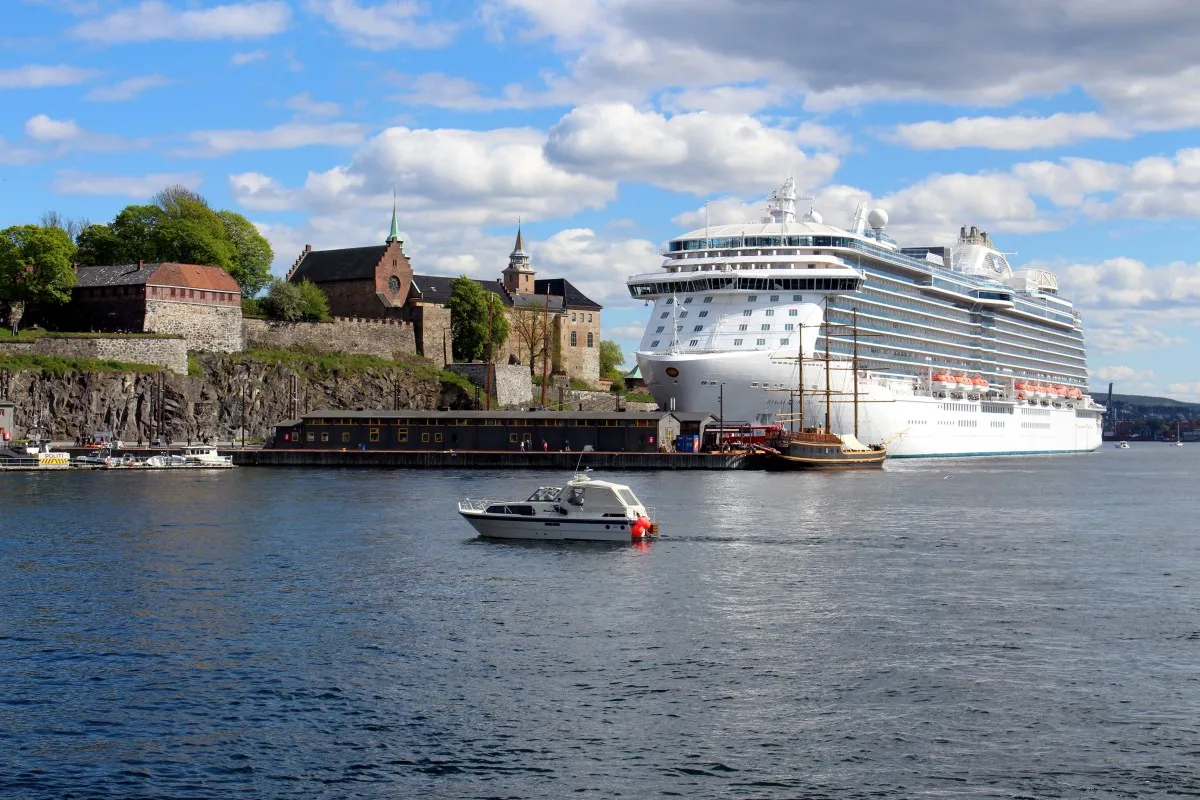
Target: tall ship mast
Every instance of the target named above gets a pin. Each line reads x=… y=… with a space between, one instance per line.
x=961 y=354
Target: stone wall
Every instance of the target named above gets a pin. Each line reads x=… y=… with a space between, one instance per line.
x=434 y=340
x=214 y=405
x=511 y=385
x=381 y=338
x=170 y=354
x=559 y=396
x=216 y=329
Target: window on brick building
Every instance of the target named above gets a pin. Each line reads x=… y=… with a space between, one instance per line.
x=574 y=339
x=590 y=341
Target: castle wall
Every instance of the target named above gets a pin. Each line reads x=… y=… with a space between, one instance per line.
x=382 y=338
x=212 y=328
x=168 y=353
x=511 y=385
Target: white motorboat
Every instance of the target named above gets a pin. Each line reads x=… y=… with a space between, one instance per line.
x=165 y=461
x=585 y=510
x=1122 y=445
x=205 y=456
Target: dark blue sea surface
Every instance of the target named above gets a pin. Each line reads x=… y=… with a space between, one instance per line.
x=1024 y=627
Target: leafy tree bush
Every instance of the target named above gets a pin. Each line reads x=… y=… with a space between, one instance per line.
x=180 y=226
x=283 y=301
x=316 y=304
x=35 y=267
x=611 y=359
x=469 y=313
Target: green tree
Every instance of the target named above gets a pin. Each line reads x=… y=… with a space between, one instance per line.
x=469 y=313
x=252 y=255
x=180 y=226
x=283 y=301
x=35 y=267
x=611 y=359
x=314 y=302
x=99 y=244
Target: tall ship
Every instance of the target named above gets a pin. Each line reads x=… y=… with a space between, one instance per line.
x=954 y=352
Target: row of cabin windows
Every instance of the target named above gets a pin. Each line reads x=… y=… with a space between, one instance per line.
x=591 y=341
x=736 y=342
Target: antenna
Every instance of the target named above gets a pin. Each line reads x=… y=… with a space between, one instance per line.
x=705 y=224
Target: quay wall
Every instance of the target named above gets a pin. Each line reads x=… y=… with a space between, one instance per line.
x=511 y=385
x=487 y=459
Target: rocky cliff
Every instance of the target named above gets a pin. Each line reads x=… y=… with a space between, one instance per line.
x=212 y=404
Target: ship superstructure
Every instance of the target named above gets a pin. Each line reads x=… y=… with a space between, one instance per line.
x=958 y=353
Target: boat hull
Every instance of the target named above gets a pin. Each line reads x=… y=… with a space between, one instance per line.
x=795 y=460
x=492 y=526
x=909 y=424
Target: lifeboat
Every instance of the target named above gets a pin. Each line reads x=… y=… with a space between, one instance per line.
x=944 y=382
x=981 y=384
x=1041 y=391
x=1060 y=391
x=1020 y=387
x=1076 y=393
x=964 y=383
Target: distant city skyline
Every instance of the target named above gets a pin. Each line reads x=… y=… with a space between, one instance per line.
x=1065 y=130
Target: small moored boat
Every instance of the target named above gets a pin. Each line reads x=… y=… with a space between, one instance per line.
x=585 y=510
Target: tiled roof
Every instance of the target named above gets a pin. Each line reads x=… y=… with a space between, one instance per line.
x=537 y=302
x=347 y=264
x=436 y=289
x=114 y=275
x=564 y=289
x=167 y=273
x=194 y=276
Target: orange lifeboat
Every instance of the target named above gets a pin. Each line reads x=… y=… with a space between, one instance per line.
x=1060 y=390
x=981 y=384
x=964 y=383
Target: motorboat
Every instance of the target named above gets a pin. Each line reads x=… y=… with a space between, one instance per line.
x=585 y=510
x=205 y=456
x=165 y=461
x=1122 y=445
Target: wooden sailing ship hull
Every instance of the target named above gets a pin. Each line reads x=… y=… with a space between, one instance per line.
x=821 y=453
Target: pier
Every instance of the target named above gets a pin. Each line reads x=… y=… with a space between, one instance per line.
x=488 y=459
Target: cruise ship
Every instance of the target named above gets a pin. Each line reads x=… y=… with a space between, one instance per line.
x=954 y=352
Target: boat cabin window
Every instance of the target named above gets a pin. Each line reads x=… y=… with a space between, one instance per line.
x=575 y=498
x=627 y=497
x=525 y=511
x=545 y=494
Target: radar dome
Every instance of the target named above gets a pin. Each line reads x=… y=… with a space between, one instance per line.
x=877 y=219
x=814 y=216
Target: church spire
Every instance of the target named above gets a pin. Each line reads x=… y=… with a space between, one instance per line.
x=519 y=249
x=394 y=235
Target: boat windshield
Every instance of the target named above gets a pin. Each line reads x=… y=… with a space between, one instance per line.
x=545 y=494
x=627 y=497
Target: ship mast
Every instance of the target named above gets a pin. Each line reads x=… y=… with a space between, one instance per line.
x=828 y=389
x=854 y=313
x=800 y=362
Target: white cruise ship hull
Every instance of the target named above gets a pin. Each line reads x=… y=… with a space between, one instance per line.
x=754 y=386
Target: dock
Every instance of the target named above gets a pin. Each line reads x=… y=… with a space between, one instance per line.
x=487 y=459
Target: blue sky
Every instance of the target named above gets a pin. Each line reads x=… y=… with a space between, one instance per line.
x=1066 y=129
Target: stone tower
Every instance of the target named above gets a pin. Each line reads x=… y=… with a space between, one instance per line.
x=518 y=275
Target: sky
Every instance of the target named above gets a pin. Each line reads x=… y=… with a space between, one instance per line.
x=1067 y=129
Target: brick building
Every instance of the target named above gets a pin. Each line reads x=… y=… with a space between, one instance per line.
x=378 y=282
x=201 y=303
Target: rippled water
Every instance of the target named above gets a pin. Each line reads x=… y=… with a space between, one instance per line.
x=981 y=628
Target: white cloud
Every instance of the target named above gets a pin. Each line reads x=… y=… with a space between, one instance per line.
x=153 y=19
x=1072 y=180
x=126 y=89
x=305 y=104
x=134 y=186
x=1129 y=380
x=384 y=26
x=1156 y=101
x=597 y=265
x=17 y=155
x=282 y=137
x=1185 y=391
x=42 y=128
x=1008 y=133
x=35 y=76
x=725 y=99
x=1126 y=283
x=698 y=152
x=242 y=59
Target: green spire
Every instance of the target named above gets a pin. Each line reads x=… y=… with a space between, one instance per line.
x=394 y=235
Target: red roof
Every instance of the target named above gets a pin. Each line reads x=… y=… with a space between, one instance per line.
x=193 y=276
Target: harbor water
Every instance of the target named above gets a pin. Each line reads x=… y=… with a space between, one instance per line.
x=1011 y=627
